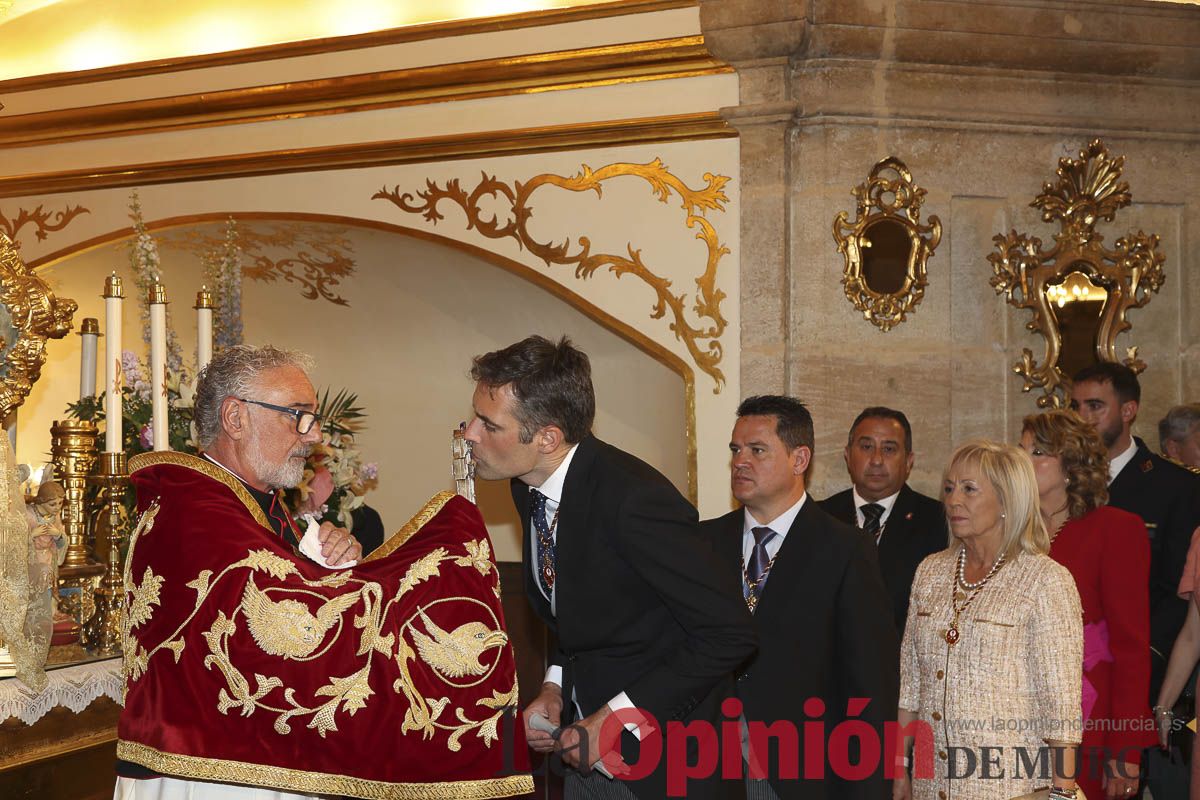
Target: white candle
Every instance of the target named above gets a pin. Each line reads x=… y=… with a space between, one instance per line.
x=158 y=366
x=112 y=364
x=89 y=332
x=204 y=328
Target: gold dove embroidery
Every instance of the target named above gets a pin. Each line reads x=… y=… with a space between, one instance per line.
x=453 y=654
x=287 y=627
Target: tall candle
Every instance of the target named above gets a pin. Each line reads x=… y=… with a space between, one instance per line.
x=113 y=379
x=89 y=332
x=158 y=365
x=204 y=327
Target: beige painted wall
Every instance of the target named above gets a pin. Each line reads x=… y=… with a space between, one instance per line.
x=418 y=311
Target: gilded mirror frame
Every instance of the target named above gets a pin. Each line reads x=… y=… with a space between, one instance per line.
x=890 y=178
x=1088 y=190
x=31 y=316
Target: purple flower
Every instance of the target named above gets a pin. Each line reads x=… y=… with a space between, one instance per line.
x=146 y=436
x=131 y=367
x=370 y=471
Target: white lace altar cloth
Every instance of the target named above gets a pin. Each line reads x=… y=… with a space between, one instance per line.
x=74 y=687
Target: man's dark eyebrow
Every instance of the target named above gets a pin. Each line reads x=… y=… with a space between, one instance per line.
x=486 y=420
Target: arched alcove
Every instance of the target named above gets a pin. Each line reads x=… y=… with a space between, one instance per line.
x=396 y=317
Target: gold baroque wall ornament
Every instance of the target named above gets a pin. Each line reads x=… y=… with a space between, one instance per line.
x=1078 y=291
x=703 y=340
x=46 y=222
x=29 y=315
x=886 y=247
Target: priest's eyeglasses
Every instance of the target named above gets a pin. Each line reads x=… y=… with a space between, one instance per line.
x=305 y=420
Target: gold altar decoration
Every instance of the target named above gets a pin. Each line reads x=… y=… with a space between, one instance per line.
x=315 y=259
x=73 y=452
x=1078 y=291
x=703 y=340
x=45 y=222
x=102 y=631
x=886 y=247
x=29 y=315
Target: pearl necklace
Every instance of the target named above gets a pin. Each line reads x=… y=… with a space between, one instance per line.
x=952 y=634
x=962 y=571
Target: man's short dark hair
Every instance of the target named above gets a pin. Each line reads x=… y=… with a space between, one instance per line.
x=793 y=423
x=883 y=412
x=1124 y=380
x=552 y=384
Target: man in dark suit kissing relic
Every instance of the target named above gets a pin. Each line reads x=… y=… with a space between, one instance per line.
x=614 y=564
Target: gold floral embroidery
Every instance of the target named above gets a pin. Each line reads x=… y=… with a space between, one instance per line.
x=143 y=597
x=146 y=523
x=288 y=622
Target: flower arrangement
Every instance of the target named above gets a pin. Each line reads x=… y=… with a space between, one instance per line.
x=136 y=411
x=143 y=258
x=223 y=271
x=336 y=480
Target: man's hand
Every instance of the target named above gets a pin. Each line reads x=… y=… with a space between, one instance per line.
x=902 y=786
x=601 y=742
x=548 y=704
x=337 y=545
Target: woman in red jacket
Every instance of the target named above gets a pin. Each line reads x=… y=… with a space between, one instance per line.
x=1108 y=553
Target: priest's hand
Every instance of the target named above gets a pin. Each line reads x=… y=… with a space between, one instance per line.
x=548 y=704
x=337 y=545
x=591 y=740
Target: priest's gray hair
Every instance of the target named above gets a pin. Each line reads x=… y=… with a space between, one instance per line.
x=234 y=373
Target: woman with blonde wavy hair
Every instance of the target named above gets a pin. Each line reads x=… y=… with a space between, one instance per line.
x=1108 y=553
x=993 y=645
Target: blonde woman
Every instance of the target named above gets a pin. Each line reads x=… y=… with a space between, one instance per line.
x=1108 y=553
x=993 y=646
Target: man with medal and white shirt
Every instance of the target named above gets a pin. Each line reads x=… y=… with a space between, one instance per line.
x=906 y=526
x=616 y=567
x=1167 y=498
x=820 y=606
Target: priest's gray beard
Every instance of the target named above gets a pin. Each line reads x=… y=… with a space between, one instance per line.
x=286 y=475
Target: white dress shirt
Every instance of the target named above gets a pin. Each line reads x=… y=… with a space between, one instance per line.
x=888 y=503
x=552 y=488
x=781 y=525
x=1118 y=463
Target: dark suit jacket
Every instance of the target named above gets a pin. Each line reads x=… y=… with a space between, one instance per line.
x=1167 y=498
x=643 y=606
x=824 y=631
x=915 y=528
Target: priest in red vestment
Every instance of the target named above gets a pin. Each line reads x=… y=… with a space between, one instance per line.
x=258 y=659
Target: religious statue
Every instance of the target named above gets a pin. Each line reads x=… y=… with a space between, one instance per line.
x=48 y=548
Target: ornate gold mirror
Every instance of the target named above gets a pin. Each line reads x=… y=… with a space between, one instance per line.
x=29 y=315
x=886 y=247
x=1078 y=291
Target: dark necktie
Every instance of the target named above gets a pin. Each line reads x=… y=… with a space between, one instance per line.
x=755 y=578
x=872 y=512
x=545 y=541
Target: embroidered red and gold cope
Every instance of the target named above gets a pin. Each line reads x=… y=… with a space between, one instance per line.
x=247 y=663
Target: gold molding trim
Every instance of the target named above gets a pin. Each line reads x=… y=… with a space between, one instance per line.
x=886 y=309
x=205 y=468
x=398 y=539
x=1088 y=190
x=336 y=44
x=627 y=332
x=487 y=144
x=46 y=222
x=540 y=72
x=295 y=780
x=31 y=315
x=695 y=203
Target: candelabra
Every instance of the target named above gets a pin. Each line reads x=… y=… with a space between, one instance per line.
x=73 y=451
x=102 y=632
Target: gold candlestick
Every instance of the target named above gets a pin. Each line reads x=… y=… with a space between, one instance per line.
x=102 y=632
x=73 y=451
